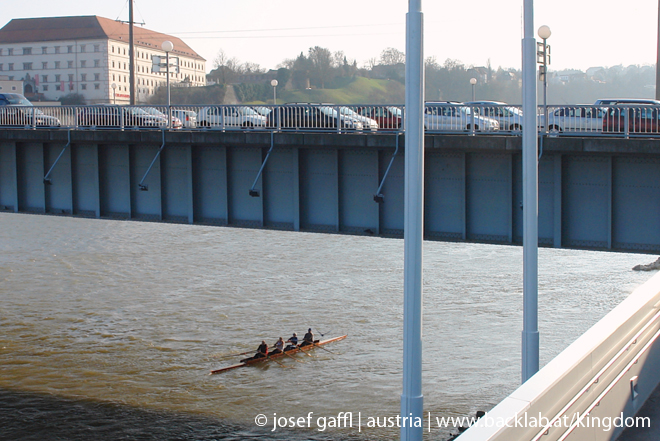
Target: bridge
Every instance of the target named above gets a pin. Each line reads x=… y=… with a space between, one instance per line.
x=595 y=192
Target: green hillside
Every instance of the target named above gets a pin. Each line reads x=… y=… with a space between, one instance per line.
x=356 y=90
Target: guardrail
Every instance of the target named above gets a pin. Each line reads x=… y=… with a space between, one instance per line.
x=583 y=120
x=594 y=388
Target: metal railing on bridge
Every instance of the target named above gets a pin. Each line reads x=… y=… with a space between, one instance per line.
x=439 y=117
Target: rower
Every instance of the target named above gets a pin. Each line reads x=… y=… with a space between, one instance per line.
x=278 y=346
x=308 y=339
x=262 y=351
x=293 y=342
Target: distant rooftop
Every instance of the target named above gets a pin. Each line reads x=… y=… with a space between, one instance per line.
x=89 y=27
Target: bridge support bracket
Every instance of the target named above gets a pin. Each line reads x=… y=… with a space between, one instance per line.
x=379 y=197
x=253 y=191
x=47 y=179
x=141 y=185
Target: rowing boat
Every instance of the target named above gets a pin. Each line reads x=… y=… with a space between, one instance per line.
x=249 y=361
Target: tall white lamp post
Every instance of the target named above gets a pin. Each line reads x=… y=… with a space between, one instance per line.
x=543 y=54
x=412 y=399
x=114 y=93
x=168 y=47
x=530 y=332
x=274 y=83
x=473 y=81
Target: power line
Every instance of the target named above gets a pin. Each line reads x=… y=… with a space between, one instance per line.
x=286 y=29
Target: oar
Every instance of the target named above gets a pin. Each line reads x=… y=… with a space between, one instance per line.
x=291 y=356
x=319 y=346
x=281 y=364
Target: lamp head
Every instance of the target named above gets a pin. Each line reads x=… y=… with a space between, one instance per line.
x=473 y=81
x=168 y=46
x=544 y=32
x=274 y=83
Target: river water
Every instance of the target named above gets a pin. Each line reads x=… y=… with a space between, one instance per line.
x=108 y=329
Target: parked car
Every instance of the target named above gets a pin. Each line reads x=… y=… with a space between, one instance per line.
x=509 y=118
x=176 y=122
x=578 y=119
x=450 y=116
x=367 y=123
x=387 y=117
x=606 y=102
x=109 y=115
x=304 y=116
x=641 y=119
x=16 y=110
x=230 y=117
x=188 y=118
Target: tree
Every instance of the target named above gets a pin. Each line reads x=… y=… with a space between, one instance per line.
x=321 y=66
x=392 y=57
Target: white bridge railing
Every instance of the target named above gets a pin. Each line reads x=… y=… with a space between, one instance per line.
x=594 y=388
x=566 y=120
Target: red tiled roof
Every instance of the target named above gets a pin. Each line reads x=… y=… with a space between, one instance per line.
x=91 y=27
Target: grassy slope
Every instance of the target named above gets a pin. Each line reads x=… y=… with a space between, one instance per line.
x=356 y=90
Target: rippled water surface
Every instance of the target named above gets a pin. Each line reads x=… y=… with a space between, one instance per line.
x=108 y=329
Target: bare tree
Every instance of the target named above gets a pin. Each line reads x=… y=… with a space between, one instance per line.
x=321 y=65
x=392 y=56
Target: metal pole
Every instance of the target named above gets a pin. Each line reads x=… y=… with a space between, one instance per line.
x=657 y=62
x=131 y=53
x=412 y=399
x=545 y=85
x=167 y=73
x=474 y=96
x=275 y=95
x=530 y=333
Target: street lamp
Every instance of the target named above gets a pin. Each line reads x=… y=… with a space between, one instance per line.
x=274 y=83
x=543 y=58
x=114 y=93
x=168 y=47
x=473 y=81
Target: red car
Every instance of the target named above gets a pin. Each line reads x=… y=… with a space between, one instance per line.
x=387 y=117
x=641 y=119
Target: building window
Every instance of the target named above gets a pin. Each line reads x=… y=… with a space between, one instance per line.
x=44 y=50
x=57 y=49
x=97 y=63
x=69 y=49
x=27 y=51
x=97 y=86
x=71 y=86
x=10 y=66
x=57 y=87
x=44 y=88
x=44 y=78
x=83 y=77
x=83 y=63
x=70 y=78
x=69 y=64
x=44 y=65
x=113 y=49
x=97 y=48
x=83 y=86
x=57 y=65
x=97 y=77
x=10 y=51
x=27 y=66
x=113 y=77
x=57 y=78
x=1 y=68
x=113 y=64
x=82 y=48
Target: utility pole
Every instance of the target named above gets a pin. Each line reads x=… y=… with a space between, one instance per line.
x=131 y=53
x=657 y=62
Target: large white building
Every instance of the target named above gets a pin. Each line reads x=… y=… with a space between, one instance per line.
x=86 y=55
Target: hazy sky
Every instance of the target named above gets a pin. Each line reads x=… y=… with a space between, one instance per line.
x=585 y=33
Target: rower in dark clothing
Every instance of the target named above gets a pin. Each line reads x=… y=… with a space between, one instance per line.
x=308 y=339
x=293 y=342
x=262 y=351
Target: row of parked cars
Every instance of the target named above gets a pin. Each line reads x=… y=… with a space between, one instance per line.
x=605 y=115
